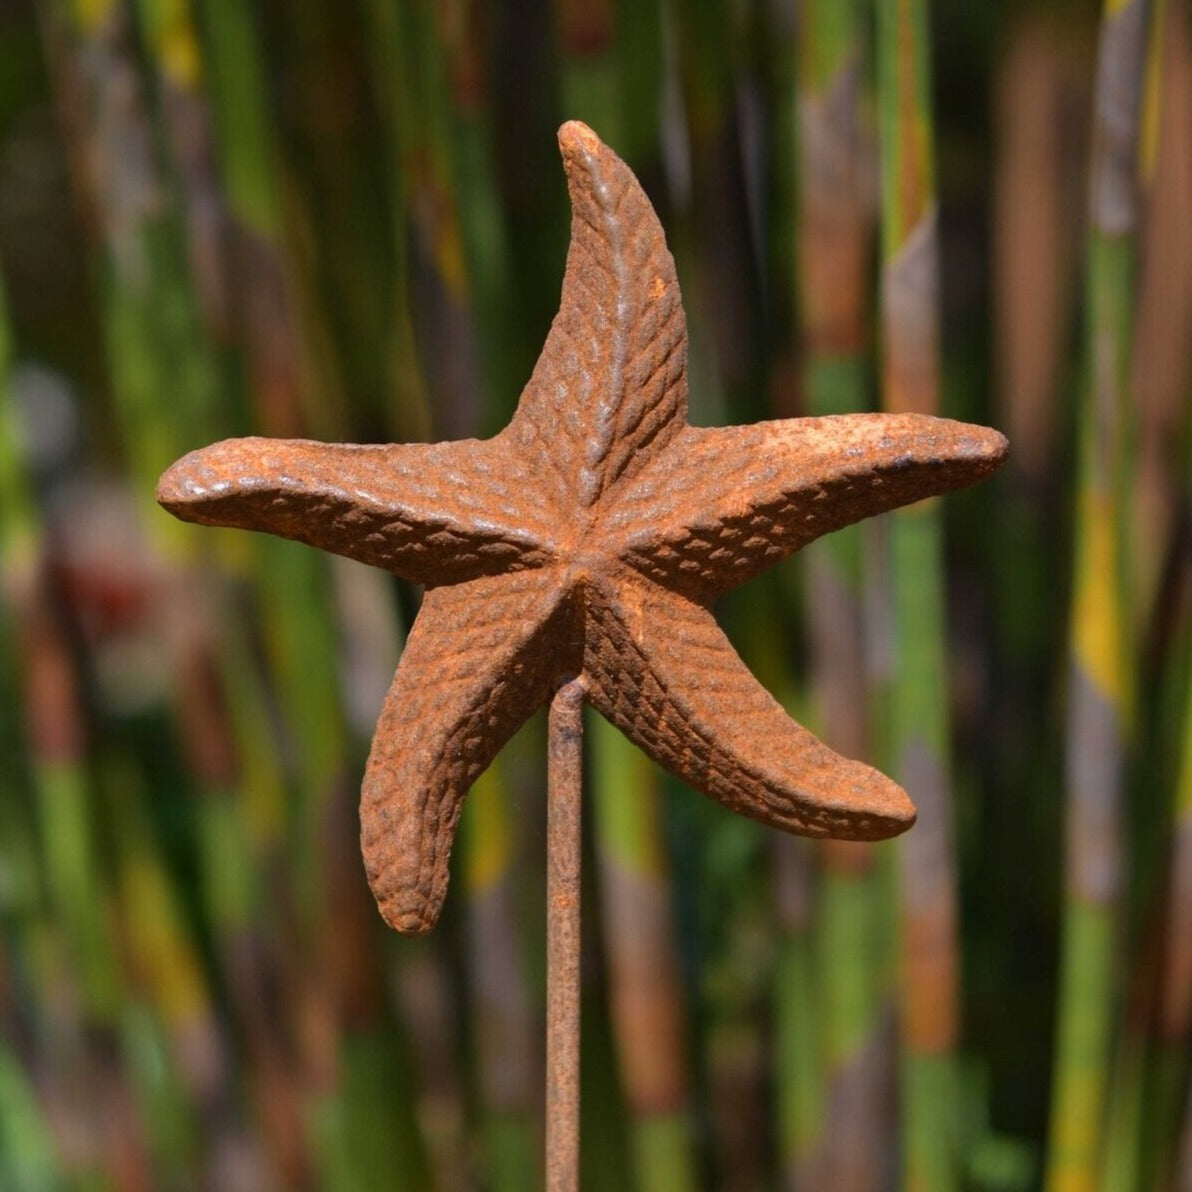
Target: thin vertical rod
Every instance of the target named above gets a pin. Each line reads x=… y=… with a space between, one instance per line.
x=564 y=777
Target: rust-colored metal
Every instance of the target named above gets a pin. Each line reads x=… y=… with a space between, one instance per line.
x=590 y=537
x=565 y=737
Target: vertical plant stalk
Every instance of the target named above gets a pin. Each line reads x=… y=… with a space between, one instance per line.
x=1029 y=248
x=919 y=714
x=170 y=34
x=1033 y=253
x=726 y=289
x=836 y=224
x=563 y=820
x=1100 y=693
x=504 y=1021
x=1175 y=993
x=638 y=924
x=270 y=299
x=797 y=1016
x=1183 y=1175
x=1162 y=357
x=1148 y=513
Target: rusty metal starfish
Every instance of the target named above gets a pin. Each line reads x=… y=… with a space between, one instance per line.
x=589 y=537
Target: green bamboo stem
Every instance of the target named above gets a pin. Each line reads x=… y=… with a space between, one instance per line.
x=919 y=715
x=646 y=1000
x=292 y=376
x=1183 y=1173
x=172 y=38
x=1030 y=244
x=507 y=352
x=723 y=301
x=1031 y=267
x=506 y=1032
x=929 y=930
x=798 y=1012
x=337 y=202
x=837 y=219
x=1100 y=697
x=1126 y=1143
x=434 y=321
x=1034 y=256
x=760 y=933
x=1162 y=352
x=1174 y=1009
x=175 y=1047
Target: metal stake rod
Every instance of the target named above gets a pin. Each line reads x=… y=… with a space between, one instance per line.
x=564 y=778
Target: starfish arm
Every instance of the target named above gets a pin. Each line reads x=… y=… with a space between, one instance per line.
x=433 y=513
x=724 y=505
x=479 y=660
x=610 y=388
x=662 y=671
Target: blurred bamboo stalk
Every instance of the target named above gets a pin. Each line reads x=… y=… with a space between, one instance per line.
x=1161 y=361
x=270 y=310
x=919 y=728
x=1175 y=1003
x=1183 y=1174
x=169 y=30
x=1158 y=381
x=798 y=1012
x=647 y=1004
x=919 y=712
x=506 y=1031
x=435 y=271
x=1101 y=660
x=1030 y=239
x=836 y=228
x=723 y=297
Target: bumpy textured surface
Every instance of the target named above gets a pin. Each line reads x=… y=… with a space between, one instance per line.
x=589 y=537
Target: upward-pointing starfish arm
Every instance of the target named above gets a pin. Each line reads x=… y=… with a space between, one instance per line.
x=480 y=659
x=433 y=513
x=721 y=506
x=610 y=387
x=661 y=670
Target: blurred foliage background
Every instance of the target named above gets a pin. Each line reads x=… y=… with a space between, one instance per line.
x=348 y=221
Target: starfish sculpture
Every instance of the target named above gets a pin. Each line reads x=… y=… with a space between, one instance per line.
x=589 y=537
